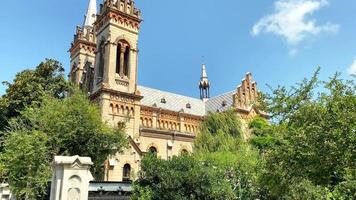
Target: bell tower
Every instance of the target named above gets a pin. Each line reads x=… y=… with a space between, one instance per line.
x=117 y=30
x=115 y=74
x=82 y=51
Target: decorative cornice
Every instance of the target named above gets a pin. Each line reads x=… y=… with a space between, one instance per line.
x=165 y=134
x=82 y=44
x=114 y=92
x=118 y=16
x=166 y=111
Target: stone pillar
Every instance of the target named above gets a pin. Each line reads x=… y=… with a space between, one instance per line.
x=154 y=121
x=182 y=124
x=71 y=177
x=5 y=193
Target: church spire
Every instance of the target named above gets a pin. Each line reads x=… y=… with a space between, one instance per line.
x=90 y=15
x=204 y=84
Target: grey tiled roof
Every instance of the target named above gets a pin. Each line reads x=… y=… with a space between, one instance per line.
x=175 y=102
x=216 y=103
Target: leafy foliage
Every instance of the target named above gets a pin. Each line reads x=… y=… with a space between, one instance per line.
x=318 y=135
x=241 y=167
x=219 y=132
x=283 y=103
x=28 y=88
x=26 y=163
x=74 y=127
x=182 y=178
x=70 y=126
x=263 y=134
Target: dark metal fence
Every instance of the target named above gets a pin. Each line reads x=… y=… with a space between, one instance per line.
x=109 y=190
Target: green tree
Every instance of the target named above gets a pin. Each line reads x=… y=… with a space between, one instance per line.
x=75 y=127
x=318 y=138
x=219 y=132
x=182 y=178
x=28 y=88
x=241 y=166
x=26 y=163
x=70 y=126
x=220 y=143
x=263 y=134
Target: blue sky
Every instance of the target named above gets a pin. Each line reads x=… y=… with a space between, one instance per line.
x=279 y=41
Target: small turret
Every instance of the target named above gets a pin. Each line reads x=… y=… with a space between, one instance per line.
x=204 y=85
x=82 y=51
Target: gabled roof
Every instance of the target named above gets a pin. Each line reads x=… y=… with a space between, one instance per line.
x=173 y=102
x=220 y=103
x=178 y=103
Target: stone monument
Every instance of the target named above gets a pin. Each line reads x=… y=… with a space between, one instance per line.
x=71 y=177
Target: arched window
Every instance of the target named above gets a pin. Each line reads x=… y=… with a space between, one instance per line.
x=112 y=108
x=73 y=75
x=126 y=173
x=118 y=58
x=117 y=109
x=184 y=152
x=101 y=61
x=126 y=61
x=150 y=123
x=123 y=58
x=152 y=150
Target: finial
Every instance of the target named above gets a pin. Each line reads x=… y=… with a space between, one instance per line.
x=204 y=84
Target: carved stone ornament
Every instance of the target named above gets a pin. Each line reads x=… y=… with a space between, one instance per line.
x=121 y=98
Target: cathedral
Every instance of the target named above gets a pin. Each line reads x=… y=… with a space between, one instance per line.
x=104 y=62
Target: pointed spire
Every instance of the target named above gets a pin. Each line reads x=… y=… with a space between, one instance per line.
x=91 y=14
x=203 y=72
x=204 y=76
x=204 y=84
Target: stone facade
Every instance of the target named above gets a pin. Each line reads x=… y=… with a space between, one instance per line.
x=104 y=58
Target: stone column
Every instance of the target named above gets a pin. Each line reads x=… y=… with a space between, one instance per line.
x=71 y=177
x=154 y=121
x=122 y=57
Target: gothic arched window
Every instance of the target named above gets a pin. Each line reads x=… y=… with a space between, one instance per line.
x=126 y=172
x=118 y=58
x=123 y=58
x=184 y=152
x=126 y=61
x=152 y=150
x=101 y=61
x=72 y=74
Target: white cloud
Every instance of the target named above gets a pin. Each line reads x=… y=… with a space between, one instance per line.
x=292 y=21
x=352 y=69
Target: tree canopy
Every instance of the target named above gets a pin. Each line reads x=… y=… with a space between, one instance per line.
x=28 y=88
x=181 y=178
x=68 y=127
x=318 y=139
x=219 y=132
